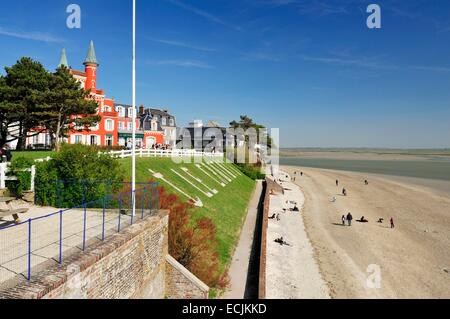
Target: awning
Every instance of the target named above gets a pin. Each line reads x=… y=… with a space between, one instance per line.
x=130 y=135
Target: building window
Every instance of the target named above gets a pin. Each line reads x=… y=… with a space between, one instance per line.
x=109 y=125
x=121 y=111
x=154 y=126
x=93 y=140
x=35 y=139
x=130 y=126
x=121 y=126
x=172 y=122
x=164 y=121
x=109 y=140
x=78 y=139
x=106 y=109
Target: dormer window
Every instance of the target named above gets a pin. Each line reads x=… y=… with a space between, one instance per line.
x=121 y=111
x=154 y=126
x=164 y=121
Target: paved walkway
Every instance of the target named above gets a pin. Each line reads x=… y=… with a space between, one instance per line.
x=239 y=270
x=45 y=236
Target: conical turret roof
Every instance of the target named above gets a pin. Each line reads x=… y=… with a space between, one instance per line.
x=91 y=58
x=63 y=60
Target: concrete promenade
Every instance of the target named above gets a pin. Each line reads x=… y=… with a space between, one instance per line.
x=239 y=269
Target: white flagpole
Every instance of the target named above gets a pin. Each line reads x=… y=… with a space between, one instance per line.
x=133 y=158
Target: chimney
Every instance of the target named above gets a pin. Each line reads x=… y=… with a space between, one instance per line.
x=141 y=109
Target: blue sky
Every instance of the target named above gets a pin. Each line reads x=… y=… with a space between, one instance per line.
x=311 y=68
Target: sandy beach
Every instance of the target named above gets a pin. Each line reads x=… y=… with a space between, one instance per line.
x=291 y=271
x=414 y=258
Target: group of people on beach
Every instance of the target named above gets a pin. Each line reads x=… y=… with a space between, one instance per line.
x=349 y=218
x=295 y=176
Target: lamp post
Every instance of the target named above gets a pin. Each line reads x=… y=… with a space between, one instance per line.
x=133 y=157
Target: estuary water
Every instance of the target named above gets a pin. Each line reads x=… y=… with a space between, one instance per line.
x=433 y=168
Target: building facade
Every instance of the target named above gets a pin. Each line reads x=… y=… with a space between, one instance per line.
x=154 y=128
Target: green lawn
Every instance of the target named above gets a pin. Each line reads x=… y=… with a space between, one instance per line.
x=33 y=155
x=227 y=209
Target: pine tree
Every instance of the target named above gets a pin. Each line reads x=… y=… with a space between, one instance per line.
x=21 y=97
x=67 y=107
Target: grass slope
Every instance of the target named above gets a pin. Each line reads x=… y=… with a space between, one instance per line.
x=227 y=209
x=33 y=155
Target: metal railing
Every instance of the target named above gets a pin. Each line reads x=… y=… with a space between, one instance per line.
x=54 y=236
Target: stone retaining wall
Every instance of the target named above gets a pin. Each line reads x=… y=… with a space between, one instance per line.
x=182 y=284
x=130 y=264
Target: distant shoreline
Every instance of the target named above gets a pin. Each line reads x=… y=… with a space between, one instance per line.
x=430 y=168
x=367 y=154
x=378 y=151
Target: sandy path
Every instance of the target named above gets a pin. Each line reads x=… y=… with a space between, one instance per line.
x=291 y=270
x=412 y=258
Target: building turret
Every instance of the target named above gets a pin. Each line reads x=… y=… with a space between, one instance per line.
x=63 y=60
x=91 y=66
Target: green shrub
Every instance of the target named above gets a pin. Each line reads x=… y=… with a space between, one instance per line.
x=254 y=172
x=84 y=175
x=19 y=168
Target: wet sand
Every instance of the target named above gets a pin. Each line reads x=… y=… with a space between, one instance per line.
x=414 y=258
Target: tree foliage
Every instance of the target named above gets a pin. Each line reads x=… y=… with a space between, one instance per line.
x=84 y=175
x=21 y=92
x=33 y=100
x=67 y=106
x=192 y=243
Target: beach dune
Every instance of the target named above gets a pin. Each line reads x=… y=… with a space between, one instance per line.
x=413 y=259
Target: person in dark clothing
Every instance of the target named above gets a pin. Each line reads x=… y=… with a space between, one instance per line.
x=349 y=219
x=2 y=155
x=337 y=183
x=366 y=182
x=8 y=153
x=344 y=192
x=5 y=154
x=392 y=223
x=363 y=220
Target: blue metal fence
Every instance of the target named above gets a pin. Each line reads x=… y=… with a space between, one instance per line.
x=54 y=236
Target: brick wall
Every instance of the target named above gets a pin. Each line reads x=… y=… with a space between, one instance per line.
x=131 y=264
x=271 y=186
x=182 y=284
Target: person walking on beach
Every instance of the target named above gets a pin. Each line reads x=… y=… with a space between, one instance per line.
x=337 y=183
x=344 y=192
x=349 y=219
x=392 y=223
x=343 y=220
